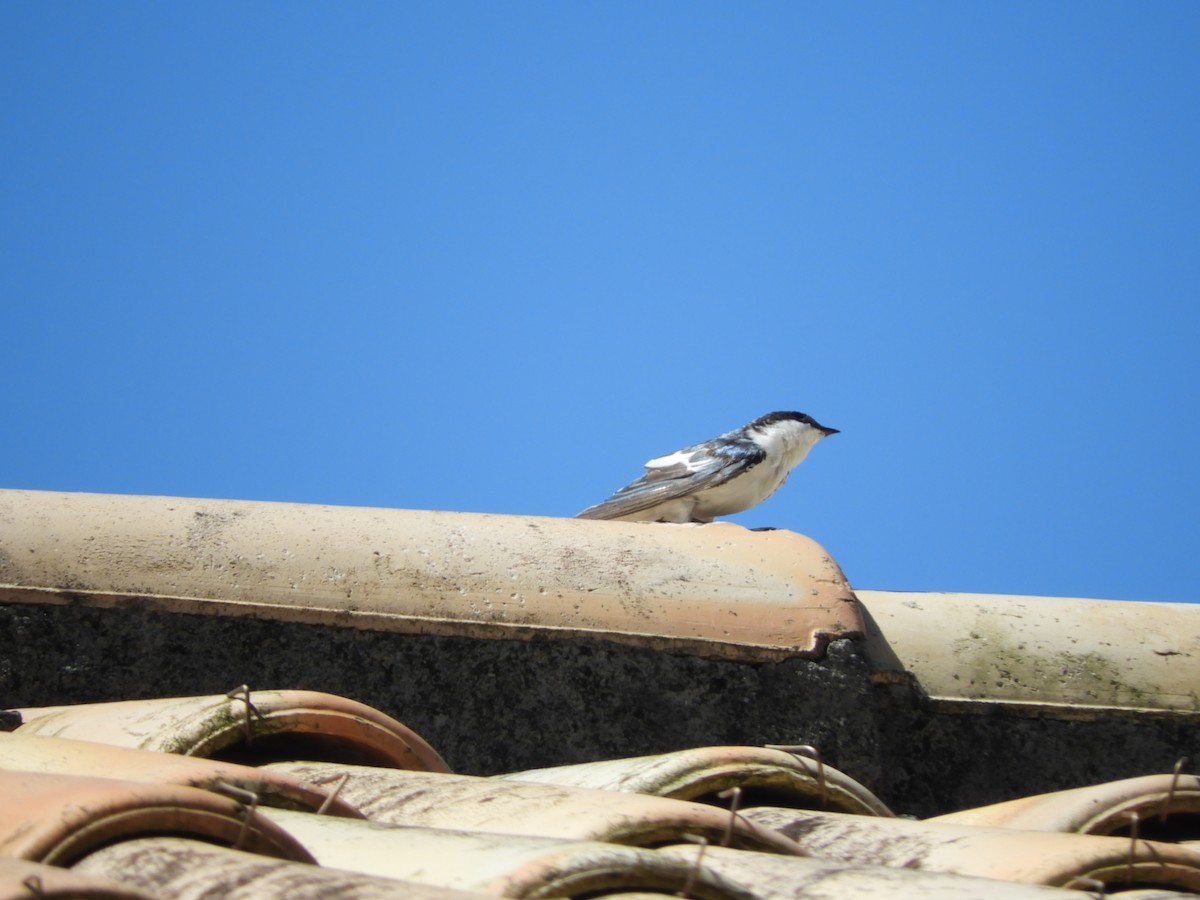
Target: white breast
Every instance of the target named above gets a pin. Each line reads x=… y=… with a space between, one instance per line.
x=785 y=444
x=746 y=490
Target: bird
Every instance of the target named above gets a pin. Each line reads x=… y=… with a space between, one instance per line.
x=728 y=474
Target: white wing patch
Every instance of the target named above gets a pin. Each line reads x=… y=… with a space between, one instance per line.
x=689 y=459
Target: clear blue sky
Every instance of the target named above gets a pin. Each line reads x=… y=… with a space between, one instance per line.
x=494 y=256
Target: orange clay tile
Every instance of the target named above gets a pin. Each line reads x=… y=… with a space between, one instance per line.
x=1162 y=807
x=1058 y=860
x=21 y=880
x=60 y=756
x=275 y=724
x=715 y=589
x=57 y=819
x=772 y=877
x=498 y=864
x=789 y=780
x=1059 y=655
x=178 y=868
x=466 y=803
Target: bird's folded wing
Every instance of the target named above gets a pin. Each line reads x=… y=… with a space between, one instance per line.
x=677 y=475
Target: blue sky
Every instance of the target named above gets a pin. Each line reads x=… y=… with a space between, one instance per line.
x=492 y=257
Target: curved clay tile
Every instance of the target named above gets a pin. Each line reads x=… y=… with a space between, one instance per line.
x=57 y=819
x=61 y=756
x=719 y=590
x=21 y=880
x=766 y=777
x=1025 y=856
x=466 y=803
x=272 y=725
x=1058 y=655
x=500 y=864
x=189 y=870
x=772 y=877
x=1158 y=807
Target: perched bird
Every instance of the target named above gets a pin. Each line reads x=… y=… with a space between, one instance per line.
x=726 y=475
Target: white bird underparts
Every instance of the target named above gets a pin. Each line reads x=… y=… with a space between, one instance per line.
x=719 y=477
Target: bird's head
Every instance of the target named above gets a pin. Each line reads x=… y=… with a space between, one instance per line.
x=795 y=424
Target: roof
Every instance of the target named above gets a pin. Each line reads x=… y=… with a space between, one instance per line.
x=444 y=704
x=704 y=590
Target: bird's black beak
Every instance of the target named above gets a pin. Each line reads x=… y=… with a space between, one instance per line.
x=829 y=431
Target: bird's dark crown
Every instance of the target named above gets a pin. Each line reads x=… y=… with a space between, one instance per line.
x=771 y=418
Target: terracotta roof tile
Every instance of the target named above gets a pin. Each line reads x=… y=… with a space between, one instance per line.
x=772 y=877
x=700 y=774
x=466 y=803
x=498 y=864
x=60 y=756
x=745 y=618
x=1058 y=860
x=22 y=880
x=317 y=725
x=1162 y=807
x=720 y=589
x=1040 y=652
x=58 y=819
x=190 y=870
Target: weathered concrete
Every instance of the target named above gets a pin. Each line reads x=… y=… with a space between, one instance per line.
x=486 y=706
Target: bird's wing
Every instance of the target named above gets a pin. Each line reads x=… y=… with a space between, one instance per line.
x=678 y=474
